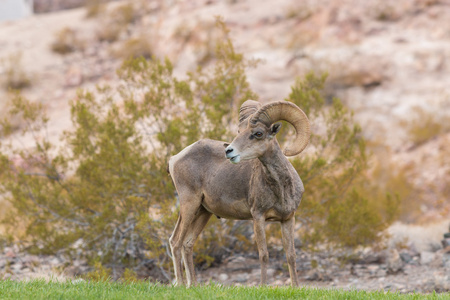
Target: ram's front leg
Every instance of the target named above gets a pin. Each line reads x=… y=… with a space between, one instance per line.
x=287 y=231
x=260 y=235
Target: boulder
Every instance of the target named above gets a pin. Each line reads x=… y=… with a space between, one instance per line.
x=394 y=262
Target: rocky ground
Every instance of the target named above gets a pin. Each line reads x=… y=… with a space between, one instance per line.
x=405 y=270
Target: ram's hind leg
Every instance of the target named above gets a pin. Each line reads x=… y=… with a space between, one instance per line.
x=201 y=219
x=189 y=205
x=175 y=256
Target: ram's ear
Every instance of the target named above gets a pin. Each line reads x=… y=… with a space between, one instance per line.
x=226 y=144
x=274 y=129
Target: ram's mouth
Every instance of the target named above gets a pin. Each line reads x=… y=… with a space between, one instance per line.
x=235 y=159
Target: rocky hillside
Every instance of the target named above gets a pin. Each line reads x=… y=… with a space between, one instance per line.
x=390 y=63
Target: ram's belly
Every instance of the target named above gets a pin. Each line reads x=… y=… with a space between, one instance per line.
x=226 y=188
x=274 y=215
x=227 y=208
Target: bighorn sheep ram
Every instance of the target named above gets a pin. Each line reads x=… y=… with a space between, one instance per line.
x=259 y=184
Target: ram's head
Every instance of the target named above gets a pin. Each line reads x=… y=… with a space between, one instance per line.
x=258 y=125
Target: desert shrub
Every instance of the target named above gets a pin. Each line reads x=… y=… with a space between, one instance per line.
x=95 y=8
x=118 y=21
x=425 y=126
x=346 y=77
x=135 y=47
x=124 y=14
x=95 y=192
x=333 y=208
x=66 y=41
x=109 y=32
x=204 y=47
x=90 y=198
x=15 y=77
x=200 y=37
x=386 y=12
x=396 y=181
x=299 y=12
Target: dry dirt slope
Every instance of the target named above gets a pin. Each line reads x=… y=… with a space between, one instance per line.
x=389 y=63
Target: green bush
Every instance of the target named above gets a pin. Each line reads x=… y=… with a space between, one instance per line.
x=336 y=206
x=90 y=198
x=424 y=126
x=96 y=191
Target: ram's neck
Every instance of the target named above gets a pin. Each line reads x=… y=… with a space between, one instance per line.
x=279 y=174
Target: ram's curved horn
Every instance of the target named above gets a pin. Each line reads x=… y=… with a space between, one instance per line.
x=248 y=108
x=291 y=113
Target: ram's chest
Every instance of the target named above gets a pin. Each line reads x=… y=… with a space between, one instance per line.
x=276 y=202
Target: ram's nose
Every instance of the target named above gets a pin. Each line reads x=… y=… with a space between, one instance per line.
x=229 y=152
x=232 y=155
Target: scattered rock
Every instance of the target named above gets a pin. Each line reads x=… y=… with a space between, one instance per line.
x=9 y=253
x=279 y=282
x=446 y=258
x=270 y=272
x=73 y=77
x=257 y=272
x=74 y=271
x=446 y=242
x=394 y=262
x=55 y=261
x=223 y=277
x=373 y=269
x=381 y=273
x=17 y=265
x=240 y=278
x=315 y=275
x=426 y=257
x=406 y=256
x=438 y=283
x=78 y=281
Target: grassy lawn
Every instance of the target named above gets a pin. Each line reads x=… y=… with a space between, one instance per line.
x=141 y=290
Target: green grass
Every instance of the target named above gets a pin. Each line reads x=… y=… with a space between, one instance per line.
x=141 y=290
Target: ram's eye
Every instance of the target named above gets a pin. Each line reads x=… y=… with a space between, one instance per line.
x=258 y=134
